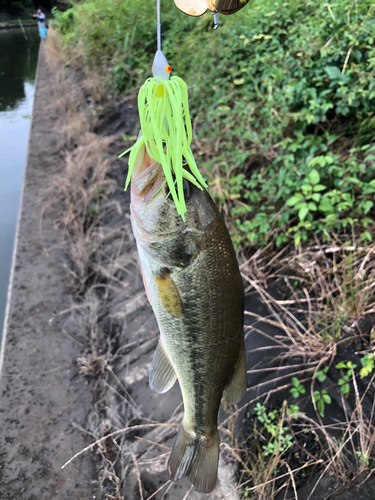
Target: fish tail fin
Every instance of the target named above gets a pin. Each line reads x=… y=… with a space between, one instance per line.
x=196 y=457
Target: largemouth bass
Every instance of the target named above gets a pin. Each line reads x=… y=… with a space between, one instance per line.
x=193 y=283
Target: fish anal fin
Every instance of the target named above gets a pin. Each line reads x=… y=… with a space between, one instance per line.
x=236 y=387
x=168 y=293
x=196 y=457
x=162 y=374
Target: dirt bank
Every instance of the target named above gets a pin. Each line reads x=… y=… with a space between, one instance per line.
x=41 y=393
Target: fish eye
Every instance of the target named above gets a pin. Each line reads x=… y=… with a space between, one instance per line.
x=168 y=69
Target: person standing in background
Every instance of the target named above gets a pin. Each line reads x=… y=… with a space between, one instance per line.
x=42 y=25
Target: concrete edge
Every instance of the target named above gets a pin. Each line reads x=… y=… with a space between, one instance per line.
x=16 y=237
x=10 y=26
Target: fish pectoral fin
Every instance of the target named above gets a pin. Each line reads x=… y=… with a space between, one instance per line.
x=168 y=293
x=196 y=457
x=162 y=374
x=236 y=387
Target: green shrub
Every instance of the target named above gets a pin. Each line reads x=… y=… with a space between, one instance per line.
x=282 y=94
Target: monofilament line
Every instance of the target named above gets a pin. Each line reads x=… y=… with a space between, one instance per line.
x=158 y=30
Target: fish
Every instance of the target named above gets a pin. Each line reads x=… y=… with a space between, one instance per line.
x=194 y=286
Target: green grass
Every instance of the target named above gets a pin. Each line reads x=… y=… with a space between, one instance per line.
x=281 y=95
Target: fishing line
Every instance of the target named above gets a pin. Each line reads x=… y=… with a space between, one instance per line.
x=158 y=28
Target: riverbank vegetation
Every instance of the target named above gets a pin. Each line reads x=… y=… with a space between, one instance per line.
x=282 y=98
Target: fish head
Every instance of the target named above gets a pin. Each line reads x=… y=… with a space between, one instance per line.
x=154 y=214
x=157 y=226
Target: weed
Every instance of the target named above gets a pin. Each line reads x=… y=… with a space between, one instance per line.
x=297 y=388
x=280 y=438
x=321 y=398
x=344 y=381
x=368 y=365
x=321 y=375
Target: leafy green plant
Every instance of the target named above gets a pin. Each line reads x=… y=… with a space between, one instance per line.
x=293 y=410
x=280 y=437
x=64 y=20
x=297 y=388
x=368 y=365
x=321 y=398
x=307 y=200
x=344 y=381
x=362 y=459
x=321 y=375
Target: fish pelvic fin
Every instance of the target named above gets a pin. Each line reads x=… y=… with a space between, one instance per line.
x=162 y=374
x=196 y=457
x=236 y=387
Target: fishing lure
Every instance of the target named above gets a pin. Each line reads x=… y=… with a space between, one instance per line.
x=198 y=7
x=166 y=130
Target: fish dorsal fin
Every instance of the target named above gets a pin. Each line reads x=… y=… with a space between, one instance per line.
x=168 y=293
x=162 y=374
x=236 y=387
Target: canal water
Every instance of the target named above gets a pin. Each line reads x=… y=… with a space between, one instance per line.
x=18 y=63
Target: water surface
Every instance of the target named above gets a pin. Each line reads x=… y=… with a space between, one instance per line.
x=18 y=62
